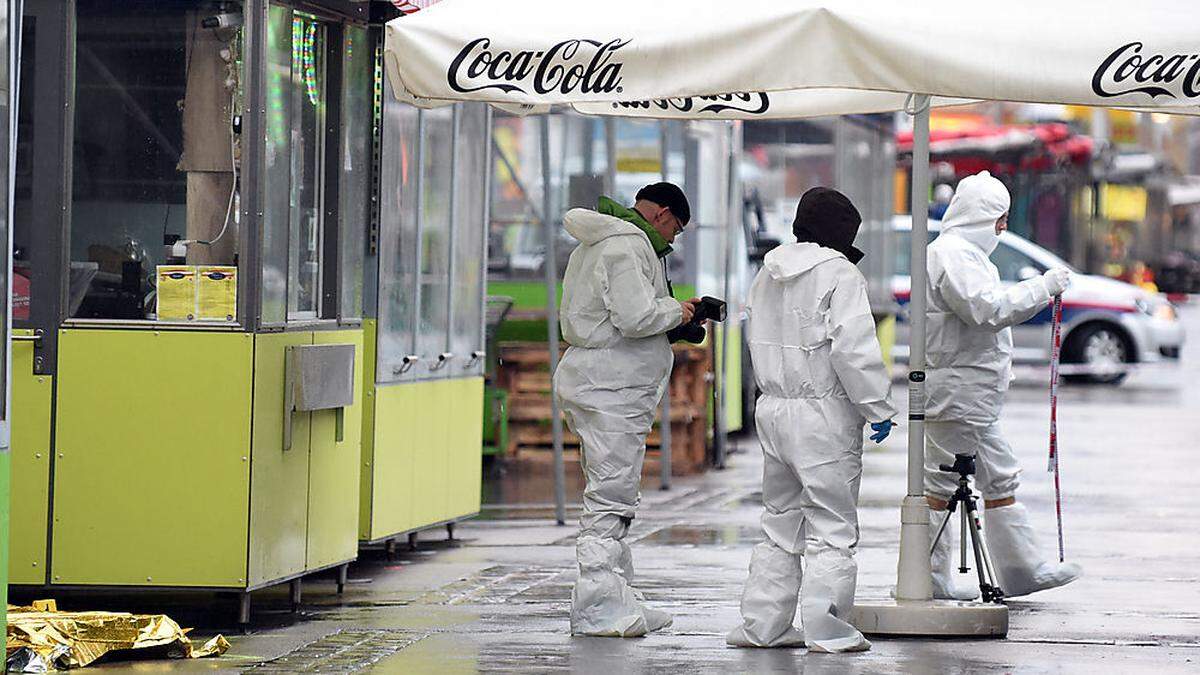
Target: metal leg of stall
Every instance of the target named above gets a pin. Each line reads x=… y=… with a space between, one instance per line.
x=243 y=617
x=412 y=540
x=294 y=591
x=343 y=574
x=450 y=531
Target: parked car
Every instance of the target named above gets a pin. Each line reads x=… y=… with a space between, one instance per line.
x=1108 y=326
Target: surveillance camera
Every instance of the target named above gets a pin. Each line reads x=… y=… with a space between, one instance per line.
x=225 y=20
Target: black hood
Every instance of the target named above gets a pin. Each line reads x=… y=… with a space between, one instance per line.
x=826 y=217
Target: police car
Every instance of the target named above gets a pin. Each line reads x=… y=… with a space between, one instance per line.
x=1109 y=327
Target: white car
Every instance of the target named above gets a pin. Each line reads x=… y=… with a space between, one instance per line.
x=1108 y=326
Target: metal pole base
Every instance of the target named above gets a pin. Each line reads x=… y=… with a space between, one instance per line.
x=934 y=618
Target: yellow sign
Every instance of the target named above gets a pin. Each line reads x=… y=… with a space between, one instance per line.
x=197 y=293
x=1123 y=202
x=176 y=293
x=216 y=293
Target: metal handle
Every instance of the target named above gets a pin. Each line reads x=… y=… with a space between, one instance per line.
x=36 y=339
x=475 y=356
x=405 y=364
x=443 y=359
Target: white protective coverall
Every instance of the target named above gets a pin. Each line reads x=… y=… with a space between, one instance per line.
x=615 y=312
x=969 y=351
x=820 y=369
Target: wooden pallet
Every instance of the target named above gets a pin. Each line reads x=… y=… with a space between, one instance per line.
x=524 y=373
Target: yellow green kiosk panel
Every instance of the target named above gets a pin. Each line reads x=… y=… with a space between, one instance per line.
x=278 y=520
x=151 y=476
x=170 y=465
x=333 y=471
x=30 y=498
x=421 y=453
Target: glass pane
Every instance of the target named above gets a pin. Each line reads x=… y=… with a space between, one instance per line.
x=515 y=238
x=433 y=327
x=397 y=237
x=6 y=137
x=308 y=148
x=358 y=99
x=153 y=150
x=470 y=169
x=23 y=230
x=279 y=165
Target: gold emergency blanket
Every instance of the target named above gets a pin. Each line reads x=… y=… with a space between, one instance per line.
x=42 y=638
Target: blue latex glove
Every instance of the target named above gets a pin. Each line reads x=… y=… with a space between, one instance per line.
x=881 y=429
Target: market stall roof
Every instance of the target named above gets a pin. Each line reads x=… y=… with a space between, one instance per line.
x=631 y=57
x=1004 y=148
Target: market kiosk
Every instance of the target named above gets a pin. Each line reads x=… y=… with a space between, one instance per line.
x=193 y=193
x=426 y=264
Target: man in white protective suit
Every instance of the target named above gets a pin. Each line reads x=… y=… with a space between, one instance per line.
x=969 y=350
x=820 y=370
x=616 y=311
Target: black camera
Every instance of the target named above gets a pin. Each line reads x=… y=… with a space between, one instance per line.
x=708 y=309
x=964 y=465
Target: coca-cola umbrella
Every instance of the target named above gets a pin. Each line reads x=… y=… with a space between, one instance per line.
x=541 y=52
x=662 y=58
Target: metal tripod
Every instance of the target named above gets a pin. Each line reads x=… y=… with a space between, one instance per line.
x=989 y=588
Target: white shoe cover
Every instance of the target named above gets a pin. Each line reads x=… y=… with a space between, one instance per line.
x=769 y=600
x=826 y=599
x=602 y=602
x=790 y=638
x=941 y=561
x=656 y=619
x=1020 y=569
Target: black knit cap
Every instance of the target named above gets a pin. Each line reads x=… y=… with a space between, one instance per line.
x=826 y=217
x=670 y=196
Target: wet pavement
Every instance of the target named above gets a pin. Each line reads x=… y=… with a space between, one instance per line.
x=496 y=598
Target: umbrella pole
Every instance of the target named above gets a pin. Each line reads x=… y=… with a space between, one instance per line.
x=550 y=264
x=664 y=425
x=914 y=612
x=914 y=581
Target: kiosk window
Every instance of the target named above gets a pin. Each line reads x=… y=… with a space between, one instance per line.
x=398 y=185
x=433 y=201
x=436 y=187
x=470 y=226
x=306 y=97
x=153 y=157
x=23 y=211
x=319 y=106
x=278 y=167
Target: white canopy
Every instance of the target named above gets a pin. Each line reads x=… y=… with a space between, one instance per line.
x=667 y=54
x=682 y=58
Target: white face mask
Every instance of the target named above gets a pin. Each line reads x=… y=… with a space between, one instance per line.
x=984 y=236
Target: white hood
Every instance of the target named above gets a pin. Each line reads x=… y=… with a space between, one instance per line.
x=977 y=203
x=790 y=260
x=590 y=226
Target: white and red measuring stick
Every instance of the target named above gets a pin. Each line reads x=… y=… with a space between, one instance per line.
x=1055 y=355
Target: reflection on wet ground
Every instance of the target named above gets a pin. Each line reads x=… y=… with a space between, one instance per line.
x=694 y=535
